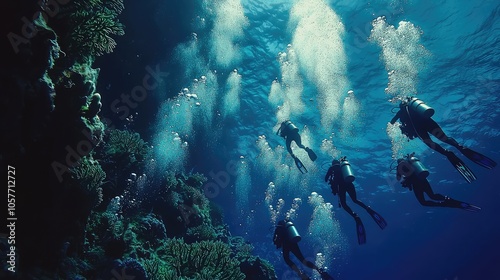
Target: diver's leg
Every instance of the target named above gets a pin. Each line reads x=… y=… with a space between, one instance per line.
x=474 y=156
x=420 y=197
x=425 y=187
x=289 y=146
x=428 y=190
x=459 y=165
x=437 y=131
x=431 y=144
x=376 y=216
x=352 y=193
x=292 y=265
x=419 y=189
x=342 y=198
x=360 y=228
x=296 y=251
x=298 y=140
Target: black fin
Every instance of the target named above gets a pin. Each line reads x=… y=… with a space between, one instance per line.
x=300 y=165
x=478 y=158
x=378 y=219
x=360 y=230
x=461 y=167
x=312 y=155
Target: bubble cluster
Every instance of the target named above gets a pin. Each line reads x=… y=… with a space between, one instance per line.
x=243 y=185
x=323 y=228
x=231 y=101
x=400 y=144
x=291 y=214
x=287 y=94
x=317 y=41
x=350 y=116
x=328 y=148
x=402 y=54
x=228 y=28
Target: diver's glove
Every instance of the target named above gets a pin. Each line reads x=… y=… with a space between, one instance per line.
x=406 y=184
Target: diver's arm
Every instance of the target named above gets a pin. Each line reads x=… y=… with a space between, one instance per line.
x=398 y=175
x=328 y=174
x=396 y=117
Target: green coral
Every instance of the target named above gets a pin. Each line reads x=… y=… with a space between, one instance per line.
x=114 y=5
x=242 y=248
x=90 y=176
x=124 y=143
x=202 y=260
x=202 y=232
x=158 y=269
x=95 y=22
x=187 y=207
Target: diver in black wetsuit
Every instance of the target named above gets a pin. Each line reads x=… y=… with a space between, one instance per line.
x=286 y=236
x=416 y=121
x=290 y=132
x=340 y=177
x=414 y=177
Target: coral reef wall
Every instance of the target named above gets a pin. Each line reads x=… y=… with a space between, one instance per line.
x=92 y=202
x=51 y=123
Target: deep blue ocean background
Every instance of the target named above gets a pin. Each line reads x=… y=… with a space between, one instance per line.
x=444 y=52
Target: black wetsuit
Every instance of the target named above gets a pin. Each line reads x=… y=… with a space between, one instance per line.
x=421 y=186
x=341 y=187
x=281 y=241
x=291 y=133
x=413 y=125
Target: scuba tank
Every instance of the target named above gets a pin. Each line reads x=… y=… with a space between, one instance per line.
x=289 y=126
x=286 y=127
x=346 y=169
x=291 y=232
x=418 y=168
x=420 y=107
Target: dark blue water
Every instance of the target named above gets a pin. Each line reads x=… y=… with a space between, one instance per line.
x=444 y=52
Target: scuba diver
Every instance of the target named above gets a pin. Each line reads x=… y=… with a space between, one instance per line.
x=286 y=236
x=415 y=117
x=290 y=132
x=414 y=176
x=340 y=178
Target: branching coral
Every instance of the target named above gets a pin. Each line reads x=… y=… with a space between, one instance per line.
x=90 y=176
x=187 y=206
x=114 y=5
x=241 y=247
x=122 y=142
x=158 y=270
x=202 y=232
x=95 y=22
x=202 y=260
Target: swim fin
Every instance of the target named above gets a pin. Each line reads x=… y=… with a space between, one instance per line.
x=469 y=207
x=312 y=155
x=462 y=205
x=461 y=167
x=478 y=158
x=360 y=230
x=378 y=219
x=300 y=165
